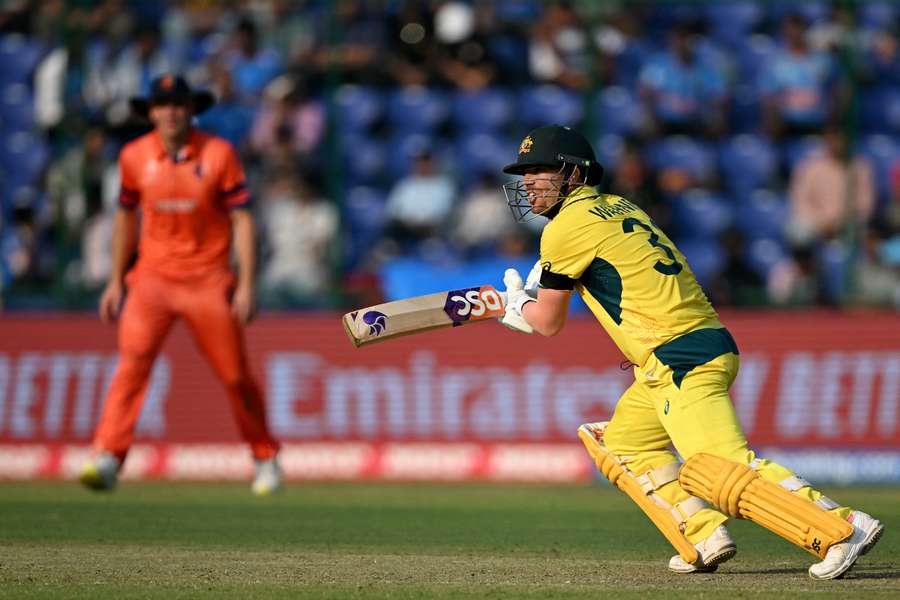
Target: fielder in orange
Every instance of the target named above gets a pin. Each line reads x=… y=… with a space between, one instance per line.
x=191 y=192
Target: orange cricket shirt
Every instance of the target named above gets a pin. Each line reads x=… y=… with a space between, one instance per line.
x=185 y=202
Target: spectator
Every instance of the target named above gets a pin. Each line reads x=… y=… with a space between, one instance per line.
x=482 y=220
x=411 y=47
x=229 y=117
x=80 y=187
x=462 y=32
x=118 y=70
x=829 y=192
x=299 y=228
x=251 y=67
x=798 y=87
x=685 y=93
x=287 y=108
x=558 y=51
x=877 y=279
x=419 y=204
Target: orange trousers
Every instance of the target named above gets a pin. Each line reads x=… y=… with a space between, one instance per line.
x=151 y=307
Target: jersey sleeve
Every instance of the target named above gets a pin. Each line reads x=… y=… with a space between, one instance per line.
x=129 y=192
x=233 y=190
x=565 y=256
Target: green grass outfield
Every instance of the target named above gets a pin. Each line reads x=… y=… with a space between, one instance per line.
x=390 y=541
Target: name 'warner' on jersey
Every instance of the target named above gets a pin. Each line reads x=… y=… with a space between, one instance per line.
x=630 y=275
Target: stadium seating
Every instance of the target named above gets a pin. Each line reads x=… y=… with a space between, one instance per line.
x=19 y=56
x=747 y=162
x=417 y=109
x=482 y=110
x=617 y=110
x=542 y=104
x=699 y=213
x=730 y=22
x=16 y=107
x=883 y=152
x=705 y=258
x=364 y=158
x=364 y=219
x=763 y=254
x=761 y=215
x=683 y=153
x=358 y=108
x=482 y=153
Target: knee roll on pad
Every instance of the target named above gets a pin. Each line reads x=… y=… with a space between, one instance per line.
x=741 y=492
x=667 y=518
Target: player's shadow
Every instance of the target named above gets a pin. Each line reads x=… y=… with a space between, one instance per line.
x=874 y=572
x=780 y=571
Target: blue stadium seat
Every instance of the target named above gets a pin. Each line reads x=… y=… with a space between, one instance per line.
x=753 y=53
x=794 y=151
x=23 y=157
x=16 y=107
x=877 y=15
x=883 y=152
x=747 y=162
x=609 y=149
x=517 y=10
x=416 y=109
x=544 y=104
x=762 y=214
x=764 y=253
x=744 y=110
x=684 y=153
x=403 y=145
x=364 y=218
x=364 y=159
x=19 y=56
x=483 y=110
x=729 y=22
x=357 y=108
x=834 y=261
x=811 y=10
x=482 y=153
x=617 y=110
x=705 y=257
x=879 y=109
x=701 y=214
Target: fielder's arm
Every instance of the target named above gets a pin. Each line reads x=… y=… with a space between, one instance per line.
x=124 y=238
x=243 y=303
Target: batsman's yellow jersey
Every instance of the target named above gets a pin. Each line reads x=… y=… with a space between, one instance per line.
x=631 y=276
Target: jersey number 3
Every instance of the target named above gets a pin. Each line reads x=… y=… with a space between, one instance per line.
x=674 y=268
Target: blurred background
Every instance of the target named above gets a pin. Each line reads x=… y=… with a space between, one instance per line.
x=763 y=137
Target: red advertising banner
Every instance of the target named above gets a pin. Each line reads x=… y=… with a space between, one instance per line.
x=811 y=379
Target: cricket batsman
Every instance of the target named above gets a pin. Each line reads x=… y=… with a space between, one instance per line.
x=190 y=189
x=642 y=291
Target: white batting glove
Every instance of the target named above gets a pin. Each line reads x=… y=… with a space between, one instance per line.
x=516 y=298
x=532 y=282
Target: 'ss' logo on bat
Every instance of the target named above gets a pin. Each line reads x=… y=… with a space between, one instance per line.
x=376 y=321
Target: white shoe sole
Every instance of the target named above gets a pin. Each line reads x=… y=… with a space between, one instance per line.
x=711 y=564
x=869 y=543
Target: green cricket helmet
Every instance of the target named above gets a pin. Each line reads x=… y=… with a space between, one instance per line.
x=551 y=146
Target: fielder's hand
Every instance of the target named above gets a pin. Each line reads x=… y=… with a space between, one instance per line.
x=516 y=298
x=111 y=300
x=243 y=303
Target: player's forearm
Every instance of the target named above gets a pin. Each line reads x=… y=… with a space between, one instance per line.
x=245 y=246
x=544 y=319
x=123 y=241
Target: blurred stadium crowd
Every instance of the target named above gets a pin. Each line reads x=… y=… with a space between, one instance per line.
x=763 y=137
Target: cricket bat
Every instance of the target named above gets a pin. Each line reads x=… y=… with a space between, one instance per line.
x=423 y=313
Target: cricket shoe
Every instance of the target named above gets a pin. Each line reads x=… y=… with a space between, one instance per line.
x=101 y=472
x=268 y=477
x=714 y=550
x=840 y=557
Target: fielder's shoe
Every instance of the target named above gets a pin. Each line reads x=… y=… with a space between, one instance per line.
x=101 y=472
x=714 y=550
x=268 y=477
x=840 y=557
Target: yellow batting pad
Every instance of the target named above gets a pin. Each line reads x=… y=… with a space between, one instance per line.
x=591 y=435
x=741 y=492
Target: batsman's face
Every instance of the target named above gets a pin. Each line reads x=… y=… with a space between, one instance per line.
x=543 y=187
x=171 y=119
